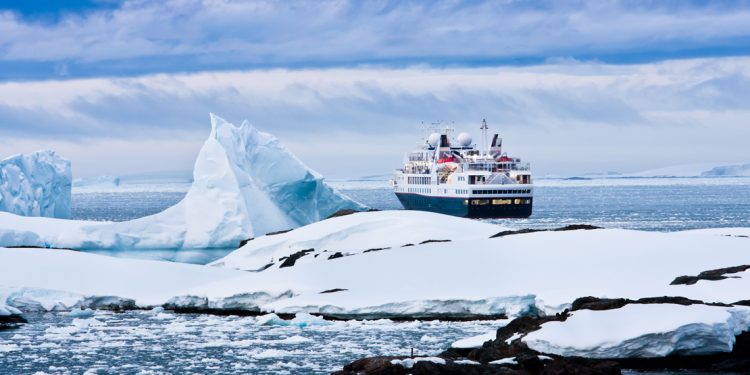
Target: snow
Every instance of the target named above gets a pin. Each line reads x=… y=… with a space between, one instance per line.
x=35 y=184
x=514 y=275
x=246 y=184
x=410 y=362
x=643 y=331
x=515 y=337
x=505 y=361
x=355 y=234
x=474 y=341
x=466 y=362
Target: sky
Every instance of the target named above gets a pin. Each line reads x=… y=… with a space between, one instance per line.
x=125 y=87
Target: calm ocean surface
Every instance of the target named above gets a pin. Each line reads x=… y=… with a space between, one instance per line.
x=656 y=204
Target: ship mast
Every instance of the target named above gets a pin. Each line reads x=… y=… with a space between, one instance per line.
x=484 y=129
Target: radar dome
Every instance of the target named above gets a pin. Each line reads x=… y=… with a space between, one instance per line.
x=464 y=139
x=434 y=139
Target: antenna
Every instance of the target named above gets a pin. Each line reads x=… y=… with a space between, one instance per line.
x=484 y=134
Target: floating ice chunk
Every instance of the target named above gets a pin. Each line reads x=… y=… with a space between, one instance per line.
x=36 y=184
x=271 y=320
x=303 y=320
x=293 y=340
x=81 y=313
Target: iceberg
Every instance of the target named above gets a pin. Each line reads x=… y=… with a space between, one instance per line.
x=98 y=181
x=245 y=184
x=36 y=184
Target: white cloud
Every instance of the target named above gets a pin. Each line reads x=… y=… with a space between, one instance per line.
x=271 y=33
x=564 y=118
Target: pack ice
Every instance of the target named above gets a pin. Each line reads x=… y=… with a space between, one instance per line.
x=35 y=184
x=246 y=183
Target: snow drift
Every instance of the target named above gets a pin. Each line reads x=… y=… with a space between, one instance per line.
x=36 y=184
x=355 y=234
x=643 y=331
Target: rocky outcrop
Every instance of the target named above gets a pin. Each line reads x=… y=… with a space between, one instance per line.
x=509 y=354
x=599 y=304
x=290 y=260
x=711 y=275
x=11 y=321
x=561 y=229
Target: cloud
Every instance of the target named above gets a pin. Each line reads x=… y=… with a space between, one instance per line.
x=182 y=35
x=563 y=117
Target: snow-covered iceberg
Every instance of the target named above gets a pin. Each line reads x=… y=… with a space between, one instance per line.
x=97 y=182
x=35 y=184
x=643 y=331
x=246 y=184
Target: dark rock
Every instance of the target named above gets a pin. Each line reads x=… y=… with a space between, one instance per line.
x=375 y=249
x=279 y=232
x=431 y=241
x=577 y=227
x=11 y=321
x=499 y=348
x=712 y=275
x=41 y=247
x=336 y=255
x=593 y=303
x=244 y=242
x=344 y=212
x=520 y=231
x=267 y=266
x=580 y=366
x=291 y=259
x=334 y=290
x=372 y=365
x=529 y=230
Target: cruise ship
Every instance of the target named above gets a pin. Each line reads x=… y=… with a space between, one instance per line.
x=451 y=175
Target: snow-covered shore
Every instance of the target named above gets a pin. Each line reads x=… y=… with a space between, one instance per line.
x=471 y=275
x=452 y=269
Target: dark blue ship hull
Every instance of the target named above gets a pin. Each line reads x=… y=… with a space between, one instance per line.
x=479 y=208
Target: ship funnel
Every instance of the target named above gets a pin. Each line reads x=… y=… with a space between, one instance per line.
x=496 y=149
x=444 y=141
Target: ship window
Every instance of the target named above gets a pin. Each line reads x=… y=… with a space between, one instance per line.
x=480 y=202
x=500 y=201
x=528 y=201
x=517 y=201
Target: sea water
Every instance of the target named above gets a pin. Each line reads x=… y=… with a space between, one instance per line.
x=158 y=342
x=655 y=204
